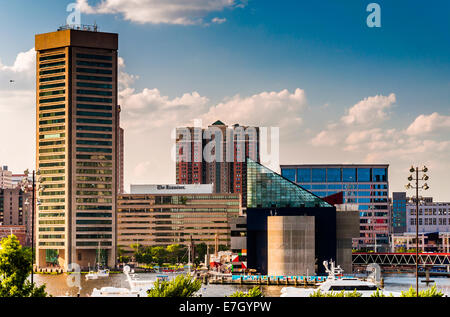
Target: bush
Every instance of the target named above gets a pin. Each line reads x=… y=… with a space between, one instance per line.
x=254 y=292
x=181 y=286
x=379 y=293
x=431 y=292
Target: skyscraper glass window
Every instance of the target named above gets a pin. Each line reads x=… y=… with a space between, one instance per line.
x=319 y=175
x=364 y=175
x=303 y=175
x=334 y=175
x=365 y=185
x=289 y=174
x=349 y=175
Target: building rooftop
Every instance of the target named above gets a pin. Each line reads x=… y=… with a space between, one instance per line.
x=70 y=36
x=218 y=122
x=333 y=165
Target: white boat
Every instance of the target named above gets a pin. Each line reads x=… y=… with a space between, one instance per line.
x=91 y=275
x=117 y=292
x=100 y=272
x=336 y=283
x=138 y=288
x=103 y=273
x=94 y=275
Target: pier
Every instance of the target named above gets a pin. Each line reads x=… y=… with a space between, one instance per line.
x=306 y=281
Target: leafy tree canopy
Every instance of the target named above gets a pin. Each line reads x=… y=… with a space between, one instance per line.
x=15 y=267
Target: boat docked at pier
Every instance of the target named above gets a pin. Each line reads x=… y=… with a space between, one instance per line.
x=94 y=275
x=336 y=282
x=138 y=287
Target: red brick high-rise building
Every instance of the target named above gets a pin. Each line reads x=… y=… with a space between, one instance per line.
x=216 y=155
x=15 y=212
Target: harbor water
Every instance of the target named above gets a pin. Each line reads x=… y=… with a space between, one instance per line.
x=60 y=285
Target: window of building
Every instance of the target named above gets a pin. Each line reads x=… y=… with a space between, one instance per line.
x=318 y=175
x=304 y=175
x=364 y=175
x=51 y=57
x=349 y=174
x=379 y=174
x=289 y=173
x=334 y=175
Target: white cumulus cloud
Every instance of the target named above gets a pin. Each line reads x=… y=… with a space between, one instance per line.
x=267 y=109
x=428 y=124
x=325 y=138
x=181 y=12
x=25 y=63
x=17 y=111
x=369 y=110
x=125 y=79
x=148 y=108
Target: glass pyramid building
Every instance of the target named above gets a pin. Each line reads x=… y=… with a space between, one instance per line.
x=267 y=189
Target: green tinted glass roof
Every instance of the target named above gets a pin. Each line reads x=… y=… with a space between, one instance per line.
x=266 y=189
x=218 y=122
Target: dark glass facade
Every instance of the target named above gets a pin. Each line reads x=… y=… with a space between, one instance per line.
x=398 y=208
x=270 y=194
x=325 y=234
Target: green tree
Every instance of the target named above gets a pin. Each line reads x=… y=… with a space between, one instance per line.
x=124 y=259
x=174 y=253
x=121 y=256
x=15 y=267
x=137 y=249
x=146 y=256
x=181 y=286
x=159 y=255
x=254 y=292
x=200 y=252
x=223 y=248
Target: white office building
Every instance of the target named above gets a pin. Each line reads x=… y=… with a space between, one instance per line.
x=433 y=217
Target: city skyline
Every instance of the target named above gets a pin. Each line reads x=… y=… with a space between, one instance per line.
x=391 y=107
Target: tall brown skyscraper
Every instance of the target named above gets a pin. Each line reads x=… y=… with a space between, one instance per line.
x=77 y=147
x=229 y=146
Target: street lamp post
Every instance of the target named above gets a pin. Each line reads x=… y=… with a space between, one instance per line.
x=416 y=170
x=25 y=185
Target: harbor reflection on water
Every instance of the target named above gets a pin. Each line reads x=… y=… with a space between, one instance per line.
x=58 y=285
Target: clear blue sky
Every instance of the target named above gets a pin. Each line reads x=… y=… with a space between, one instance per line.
x=323 y=47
